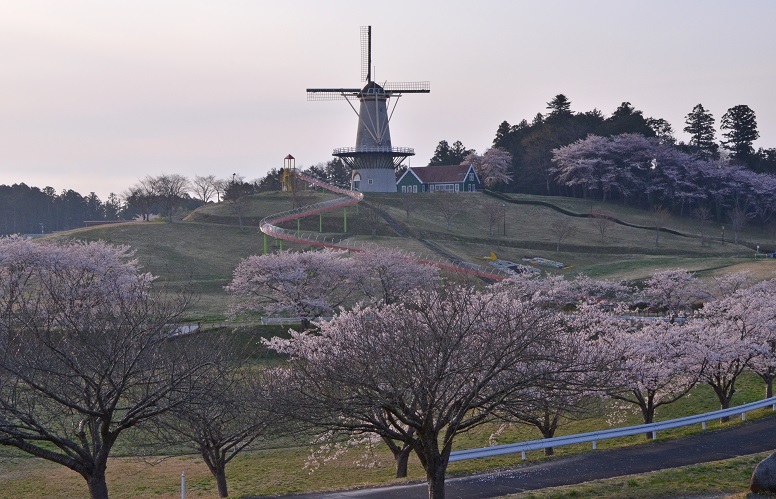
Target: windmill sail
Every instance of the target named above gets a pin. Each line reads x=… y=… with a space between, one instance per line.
x=373 y=156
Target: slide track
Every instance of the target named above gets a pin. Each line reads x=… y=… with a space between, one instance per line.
x=269 y=226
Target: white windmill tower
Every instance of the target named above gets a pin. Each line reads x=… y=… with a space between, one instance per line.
x=373 y=160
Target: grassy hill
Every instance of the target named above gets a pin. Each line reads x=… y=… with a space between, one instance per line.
x=205 y=247
x=203 y=250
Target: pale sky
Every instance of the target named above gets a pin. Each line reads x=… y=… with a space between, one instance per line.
x=95 y=95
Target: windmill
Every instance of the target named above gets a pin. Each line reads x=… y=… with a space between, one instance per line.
x=373 y=160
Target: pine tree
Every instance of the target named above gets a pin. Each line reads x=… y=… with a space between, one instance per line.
x=741 y=125
x=700 y=126
x=559 y=106
x=502 y=135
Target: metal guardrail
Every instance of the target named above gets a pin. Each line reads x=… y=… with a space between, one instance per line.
x=595 y=436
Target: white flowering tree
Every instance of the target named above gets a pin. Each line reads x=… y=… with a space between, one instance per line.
x=676 y=291
x=423 y=371
x=85 y=353
x=493 y=167
x=306 y=284
x=725 y=339
x=573 y=392
x=763 y=363
x=386 y=275
x=657 y=366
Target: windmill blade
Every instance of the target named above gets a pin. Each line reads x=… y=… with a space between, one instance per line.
x=325 y=94
x=407 y=87
x=366 y=53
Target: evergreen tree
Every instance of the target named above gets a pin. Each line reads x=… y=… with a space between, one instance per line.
x=700 y=126
x=559 y=106
x=503 y=135
x=663 y=130
x=444 y=154
x=626 y=119
x=741 y=125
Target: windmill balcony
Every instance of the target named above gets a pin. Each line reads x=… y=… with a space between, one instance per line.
x=344 y=151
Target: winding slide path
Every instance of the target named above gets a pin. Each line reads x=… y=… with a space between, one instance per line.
x=269 y=226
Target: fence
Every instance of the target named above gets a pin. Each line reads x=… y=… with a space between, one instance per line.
x=595 y=436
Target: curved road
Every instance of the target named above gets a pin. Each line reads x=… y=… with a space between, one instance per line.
x=749 y=438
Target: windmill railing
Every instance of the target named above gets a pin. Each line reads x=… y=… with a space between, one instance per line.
x=268 y=226
x=372 y=149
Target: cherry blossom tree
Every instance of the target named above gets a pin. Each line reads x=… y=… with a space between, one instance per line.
x=572 y=393
x=492 y=167
x=433 y=368
x=764 y=361
x=725 y=338
x=656 y=365
x=386 y=275
x=86 y=352
x=676 y=291
x=222 y=420
x=307 y=284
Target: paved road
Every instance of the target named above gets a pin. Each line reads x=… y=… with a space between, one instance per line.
x=750 y=438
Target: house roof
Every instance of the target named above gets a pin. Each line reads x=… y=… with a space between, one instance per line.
x=440 y=173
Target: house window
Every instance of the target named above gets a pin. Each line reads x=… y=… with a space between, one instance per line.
x=404 y=188
x=471 y=177
x=471 y=187
x=370 y=181
x=456 y=187
x=414 y=188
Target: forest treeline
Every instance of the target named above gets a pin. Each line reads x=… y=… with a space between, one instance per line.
x=624 y=157
x=638 y=161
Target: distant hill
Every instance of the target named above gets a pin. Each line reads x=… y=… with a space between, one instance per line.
x=204 y=248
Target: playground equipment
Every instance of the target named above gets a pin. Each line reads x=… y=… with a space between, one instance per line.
x=509 y=267
x=268 y=226
x=537 y=260
x=289 y=168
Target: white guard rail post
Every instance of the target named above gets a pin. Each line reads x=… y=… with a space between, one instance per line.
x=595 y=436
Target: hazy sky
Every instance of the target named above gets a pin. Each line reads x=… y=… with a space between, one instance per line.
x=97 y=94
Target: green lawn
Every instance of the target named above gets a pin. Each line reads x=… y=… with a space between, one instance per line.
x=202 y=252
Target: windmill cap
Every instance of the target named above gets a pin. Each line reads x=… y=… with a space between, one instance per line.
x=373 y=88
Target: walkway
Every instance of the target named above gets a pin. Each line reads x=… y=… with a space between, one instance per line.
x=749 y=438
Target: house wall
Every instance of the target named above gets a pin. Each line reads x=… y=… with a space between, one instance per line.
x=377 y=180
x=409 y=183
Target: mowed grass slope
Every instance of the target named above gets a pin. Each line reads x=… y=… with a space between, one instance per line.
x=204 y=249
x=280 y=469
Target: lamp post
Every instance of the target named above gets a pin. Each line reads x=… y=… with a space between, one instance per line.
x=504 y=212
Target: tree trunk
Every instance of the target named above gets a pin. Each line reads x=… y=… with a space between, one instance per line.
x=769 y=387
x=724 y=403
x=220 y=475
x=435 y=476
x=98 y=488
x=402 y=461
x=648 y=411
